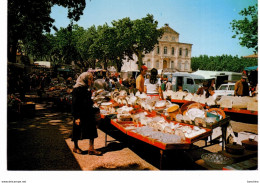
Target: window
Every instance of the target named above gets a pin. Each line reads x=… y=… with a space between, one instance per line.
x=158 y=50
x=179 y=65
x=186 y=53
x=231 y=87
x=198 y=81
x=157 y=64
x=172 y=64
x=186 y=66
x=165 y=50
x=148 y=64
x=180 y=52
x=223 y=87
x=189 y=81
x=172 y=50
x=173 y=38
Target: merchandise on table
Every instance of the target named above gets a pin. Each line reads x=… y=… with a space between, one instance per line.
x=216 y=160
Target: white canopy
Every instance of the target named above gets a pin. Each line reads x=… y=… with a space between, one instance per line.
x=213 y=74
x=43 y=63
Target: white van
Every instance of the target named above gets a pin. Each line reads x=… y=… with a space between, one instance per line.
x=226 y=90
x=189 y=82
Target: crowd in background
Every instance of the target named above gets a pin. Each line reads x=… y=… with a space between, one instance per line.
x=44 y=84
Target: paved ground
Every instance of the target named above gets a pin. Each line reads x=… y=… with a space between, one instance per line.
x=43 y=143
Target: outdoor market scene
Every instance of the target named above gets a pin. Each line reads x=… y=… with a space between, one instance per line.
x=132 y=94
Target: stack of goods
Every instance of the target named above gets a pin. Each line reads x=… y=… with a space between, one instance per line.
x=124 y=113
x=157 y=127
x=195 y=114
x=180 y=95
x=237 y=102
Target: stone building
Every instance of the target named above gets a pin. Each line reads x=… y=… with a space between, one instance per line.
x=168 y=55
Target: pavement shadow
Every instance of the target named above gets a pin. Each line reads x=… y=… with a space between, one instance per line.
x=113 y=146
x=38 y=143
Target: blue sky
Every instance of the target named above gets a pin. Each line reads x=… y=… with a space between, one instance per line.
x=203 y=23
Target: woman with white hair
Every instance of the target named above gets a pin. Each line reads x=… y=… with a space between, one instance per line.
x=84 y=123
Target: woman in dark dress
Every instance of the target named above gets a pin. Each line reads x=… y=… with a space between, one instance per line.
x=84 y=124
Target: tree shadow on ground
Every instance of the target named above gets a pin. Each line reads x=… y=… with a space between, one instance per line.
x=38 y=143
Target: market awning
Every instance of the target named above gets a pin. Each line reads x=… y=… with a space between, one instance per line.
x=43 y=63
x=65 y=70
x=251 y=68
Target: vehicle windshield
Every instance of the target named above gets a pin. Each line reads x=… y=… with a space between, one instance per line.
x=223 y=87
x=198 y=81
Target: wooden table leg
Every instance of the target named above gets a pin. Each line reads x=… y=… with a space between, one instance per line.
x=106 y=140
x=224 y=132
x=161 y=159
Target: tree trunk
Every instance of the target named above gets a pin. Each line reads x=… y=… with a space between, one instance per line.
x=119 y=65
x=12 y=47
x=140 y=61
x=105 y=64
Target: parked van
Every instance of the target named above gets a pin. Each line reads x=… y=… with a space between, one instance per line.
x=188 y=82
x=226 y=90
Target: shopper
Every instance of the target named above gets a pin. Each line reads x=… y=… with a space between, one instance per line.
x=100 y=83
x=168 y=85
x=140 y=79
x=152 y=86
x=203 y=90
x=84 y=123
x=241 y=87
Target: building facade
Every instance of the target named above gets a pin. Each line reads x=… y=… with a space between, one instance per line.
x=169 y=55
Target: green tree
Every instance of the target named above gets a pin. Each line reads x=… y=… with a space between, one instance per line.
x=39 y=49
x=145 y=35
x=68 y=48
x=28 y=19
x=139 y=35
x=105 y=47
x=247 y=29
x=221 y=63
x=83 y=45
x=124 y=40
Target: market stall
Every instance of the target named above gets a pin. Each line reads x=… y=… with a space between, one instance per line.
x=230 y=104
x=161 y=123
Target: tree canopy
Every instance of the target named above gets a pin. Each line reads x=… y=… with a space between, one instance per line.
x=104 y=45
x=222 y=63
x=247 y=29
x=28 y=20
x=140 y=35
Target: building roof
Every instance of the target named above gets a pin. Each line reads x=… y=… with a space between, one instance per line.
x=251 y=56
x=168 y=29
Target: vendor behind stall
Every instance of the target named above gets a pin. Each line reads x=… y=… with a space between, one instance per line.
x=203 y=90
x=241 y=87
x=140 y=79
x=100 y=83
